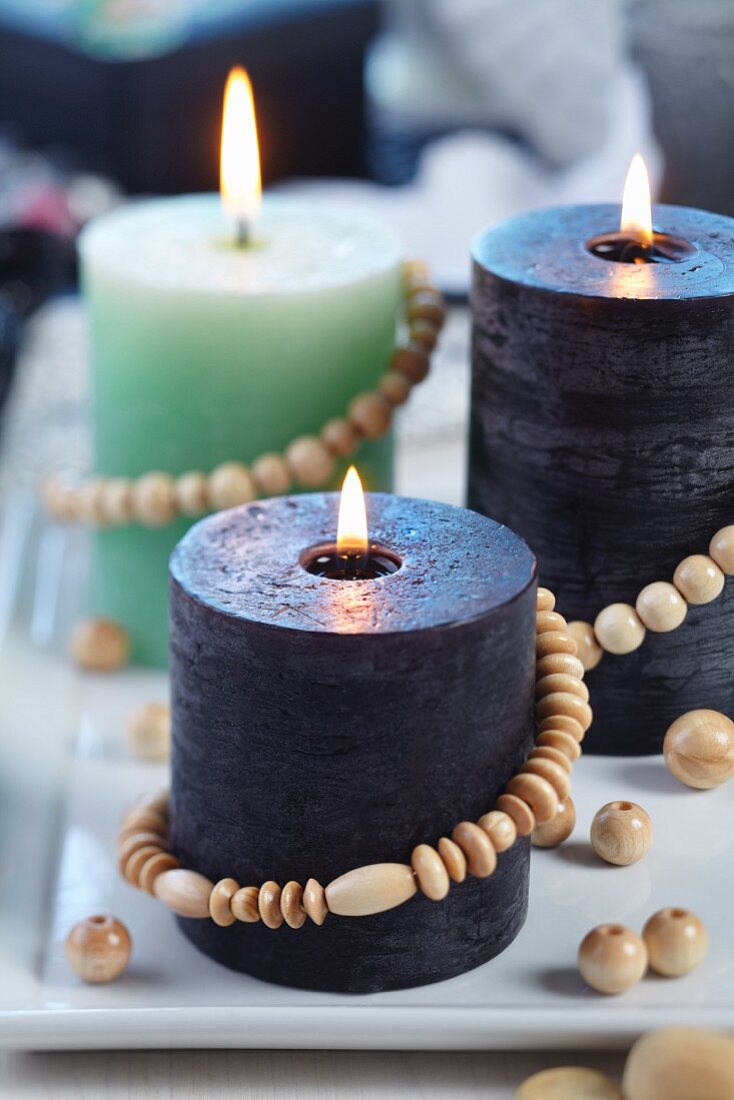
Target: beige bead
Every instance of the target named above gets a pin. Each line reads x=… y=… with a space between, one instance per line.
x=135 y=863
x=721 y=549
x=621 y=833
x=310 y=461
x=371 y=889
x=314 y=901
x=149 y=732
x=220 y=902
x=291 y=905
x=128 y=845
x=426 y=305
x=144 y=818
x=699 y=749
x=561 y=740
x=555 y=641
x=271 y=475
x=430 y=871
x=158 y=801
x=679 y=1063
x=371 y=415
x=58 y=495
x=340 y=437
x=116 y=505
x=481 y=858
x=244 y=904
x=500 y=828
x=676 y=941
x=453 y=858
x=618 y=629
x=415 y=269
x=547 y=622
x=395 y=387
x=411 y=360
x=155 y=865
x=519 y=811
x=192 y=494
x=98 y=948
x=89 y=497
x=589 y=650
x=99 y=645
x=184 y=892
x=545 y=600
x=547 y=752
x=558 y=777
x=661 y=607
x=569 y=1083
x=154 y=499
x=562 y=703
x=559 y=828
x=424 y=333
x=561 y=681
x=268 y=903
x=537 y=792
x=565 y=722
x=612 y=958
x=699 y=579
x=556 y=663
x=230 y=485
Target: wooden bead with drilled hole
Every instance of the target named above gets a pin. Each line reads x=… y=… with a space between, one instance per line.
x=699 y=579
x=453 y=858
x=562 y=703
x=271 y=475
x=155 y=865
x=268 y=903
x=135 y=862
x=676 y=941
x=680 y=1063
x=154 y=499
x=699 y=749
x=558 y=777
x=395 y=387
x=291 y=905
x=371 y=889
x=340 y=437
x=555 y=641
x=184 y=892
x=565 y=722
x=99 y=645
x=559 y=663
x=191 y=490
x=424 y=333
x=310 y=461
x=558 y=829
x=660 y=607
x=537 y=792
x=621 y=833
x=519 y=811
x=721 y=549
x=545 y=600
x=589 y=650
x=569 y=1083
x=220 y=902
x=547 y=622
x=230 y=484
x=618 y=629
x=244 y=904
x=612 y=958
x=98 y=948
x=481 y=858
x=149 y=731
x=561 y=681
x=314 y=901
x=500 y=828
x=116 y=505
x=412 y=361
x=561 y=740
x=426 y=305
x=144 y=818
x=430 y=872
x=547 y=752
x=371 y=415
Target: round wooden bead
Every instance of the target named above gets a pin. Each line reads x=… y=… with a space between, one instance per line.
x=560 y=703
x=311 y=461
x=220 y=902
x=99 y=645
x=411 y=360
x=395 y=387
x=290 y=905
x=268 y=903
x=184 y=892
x=116 y=505
x=589 y=650
x=519 y=811
x=618 y=628
x=340 y=437
x=561 y=681
x=678 y=1063
x=699 y=579
x=371 y=889
x=558 y=777
x=547 y=752
x=561 y=740
x=721 y=549
x=244 y=904
x=545 y=600
x=149 y=731
x=547 y=622
x=500 y=828
x=371 y=415
x=537 y=792
x=155 y=865
x=661 y=607
x=154 y=499
x=621 y=833
x=191 y=491
x=135 y=863
x=569 y=1083
x=98 y=948
x=565 y=722
x=481 y=858
x=430 y=871
x=555 y=641
x=453 y=858
x=229 y=485
x=89 y=501
x=271 y=475
x=424 y=333
x=612 y=958
x=559 y=828
x=676 y=941
x=426 y=305
x=314 y=901
x=699 y=748
x=556 y=663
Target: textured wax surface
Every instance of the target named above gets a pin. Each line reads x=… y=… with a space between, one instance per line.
x=602 y=430
x=312 y=751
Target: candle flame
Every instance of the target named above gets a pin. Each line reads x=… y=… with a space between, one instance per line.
x=351 y=537
x=239 y=165
x=636 y=221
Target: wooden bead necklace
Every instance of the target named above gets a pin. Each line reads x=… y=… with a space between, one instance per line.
x=156 y=499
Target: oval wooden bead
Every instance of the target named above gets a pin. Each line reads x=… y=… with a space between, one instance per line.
x=621 y=833
x=371 y=415
x=618 y=629
x=371 y=889
x=561 y=740
x=561 y=681
x=569 y=1083
x=699 y=579
x=548 y=752
x=589 y=650
x=519 y=811
x=192 y=494
x=453 y=858
x=612 y=958
x=564 y=722
x=424 y=333
x=149 y=732
x=135 y=862
x=679 y=1063
x=411 y=360
x=537 y=792
x=184 y=892
x=98 y=948
x=660 y=607
x=154 y=499
x=271 y=475
x=310 y=461
x=220 y=902
x=99 y=645
x=230 y=484
x=290 y=905
x=314 y=901
x=547 y=622
x=481 y=858
x=699 y=749
x=545 y=600
x=128 y=845
x=676 y=941
x=244 y=904
x=555 y=641
x=430 y=871
x=155 y=865
x=500 y=828
x=559 y=663
x=116 y=504
x=340 y=437
x=721 y=549
x=558 y=777
x=560 y=703
x=559 y=828
x=268 y=903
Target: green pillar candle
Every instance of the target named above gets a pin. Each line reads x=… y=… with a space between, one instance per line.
x=204 y=351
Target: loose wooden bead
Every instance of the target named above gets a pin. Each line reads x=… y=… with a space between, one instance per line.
x=135 y=863
x=314 y=901
x=618 y=628
x=184 y=892
x=229 y=485
x=154 y=499
x=565 y=722
x=561 y=740
x=621 y=833
x=678 y=1063
x=545 y=600
x=425 y=305
x=394 y=387
x=612 y=958
x=560 y=703
x=220 y=902
x=98 y=948
x=699 y=749
x=371 y=415
x=547 y=622
x=559 y=828
x=144 y=818
x=537 y=792
x=424 y=333
x=311 y=461
x=340 y=437
x=89 y=501
x=430 y=871
x=116 y=505
x=155 y=865
x=676 y=941
x=371 y=889
x=192 y=494
x=99 y=645
x=129 y=844
x=453 y=858
x=569 y=1083
x=555 y=641
x=556 y=663
x=557 y=776
x=149 y=731
x=547 y=752
x=699 y=579
x=721 y=549
x=271 y=475
x=290 y=905
x=268 y=903
x=244 y=904
x=500 y=828
x=589 y=650
x=481 y=858
x=561 y=681
x=411 y=360
x=661 y=607
x=519 y=811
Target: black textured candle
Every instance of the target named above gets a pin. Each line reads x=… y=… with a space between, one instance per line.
x=320 y=725
x=602 y=430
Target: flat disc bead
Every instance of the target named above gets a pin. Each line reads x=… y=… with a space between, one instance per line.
x=621 y=833
x=699 y=749
x=612 y=958
x=721 y=549
x=310 y=461
x=268 y=903
x=699 y=579
x=154 y=866
x=661 y=607
x=561 y=740
x=371 y=889
x=561 y=681
x=519 y=811
x=220 y=902
x=558 y=829
x=589 y=650
x=430 y=871
x=564 y=722
x=556 y=663
x=676 y=942
x=618 y=629
x=564 y=703
x=546 y=601
x=129 y=845
x=453 y=858
x=555 y=641
x=547 y=752
x=500 y=828
x=244 y=904
x=314 y=901
x=558 y=777
x=550 y=622
x=290 y=905
x=537 y=792
x=135 y=863
x=481 y=858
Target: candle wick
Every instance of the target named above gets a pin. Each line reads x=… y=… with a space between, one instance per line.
x=242 y=232
x=350 y=569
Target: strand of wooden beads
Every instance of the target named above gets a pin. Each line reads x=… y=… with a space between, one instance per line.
x=532 y=797
x=157 y=498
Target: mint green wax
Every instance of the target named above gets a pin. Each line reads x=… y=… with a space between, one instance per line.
x=204 y=352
